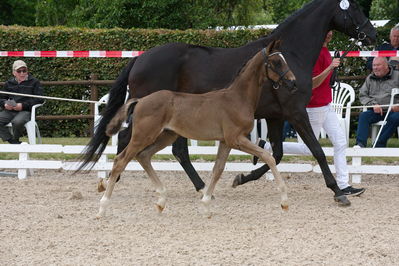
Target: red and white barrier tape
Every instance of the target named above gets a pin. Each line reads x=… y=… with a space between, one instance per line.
x=70 y=53
x=393 y=53
x=137 y=53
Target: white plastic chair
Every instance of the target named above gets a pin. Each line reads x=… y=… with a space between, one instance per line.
x=342 y=99
x=377 y=127
x=97 y=115
x=263 y=129
x=31 y=126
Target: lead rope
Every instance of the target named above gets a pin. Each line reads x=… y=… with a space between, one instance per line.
x=334 y=81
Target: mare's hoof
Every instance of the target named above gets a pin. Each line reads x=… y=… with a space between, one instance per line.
x=100 y=186
x=284 y=207
x=342 y=201
x=237 y=180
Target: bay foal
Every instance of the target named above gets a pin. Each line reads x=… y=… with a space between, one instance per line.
x=225 y=115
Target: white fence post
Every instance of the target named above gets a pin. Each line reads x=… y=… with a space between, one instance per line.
x=23 y=173
x=103 y=160
x=356 y=161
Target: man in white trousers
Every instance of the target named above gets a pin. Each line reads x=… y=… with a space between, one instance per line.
x=322 y=115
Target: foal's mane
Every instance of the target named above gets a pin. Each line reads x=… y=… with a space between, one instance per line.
x=244 y=66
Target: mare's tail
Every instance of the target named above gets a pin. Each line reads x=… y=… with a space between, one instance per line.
x=124 y=112
x=98 y=142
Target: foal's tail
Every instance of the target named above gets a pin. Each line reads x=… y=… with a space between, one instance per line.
x=124 y=112
x=116 y=99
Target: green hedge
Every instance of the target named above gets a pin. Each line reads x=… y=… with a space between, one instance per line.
x=15 y=38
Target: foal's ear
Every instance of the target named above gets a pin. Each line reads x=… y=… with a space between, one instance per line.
x=269 y=48
x=277 y=45
x=274 y=45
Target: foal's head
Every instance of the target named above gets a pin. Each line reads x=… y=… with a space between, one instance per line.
x=277 y=69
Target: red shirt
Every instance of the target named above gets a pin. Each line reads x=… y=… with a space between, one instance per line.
x=321 y=96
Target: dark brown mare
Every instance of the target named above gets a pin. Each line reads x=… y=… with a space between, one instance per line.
x=197 y=69
x=160 y=118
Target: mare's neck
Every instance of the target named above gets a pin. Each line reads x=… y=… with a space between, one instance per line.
x=248 y=84
x=304 y=32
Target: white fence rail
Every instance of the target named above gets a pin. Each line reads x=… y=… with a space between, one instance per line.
x=25 y=165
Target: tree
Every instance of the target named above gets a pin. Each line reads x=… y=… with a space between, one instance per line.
x=53 y=12
x=280 y=10
x=20 y=12
x=171 y=14
x=385 y=9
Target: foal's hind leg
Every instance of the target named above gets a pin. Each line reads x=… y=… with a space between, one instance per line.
x=221 y=158
x=247 y=146
x=144 y=158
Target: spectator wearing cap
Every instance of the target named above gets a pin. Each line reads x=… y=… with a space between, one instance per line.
x=393 y=44
x=14 y=108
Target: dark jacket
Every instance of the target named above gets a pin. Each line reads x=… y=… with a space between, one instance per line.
x=383 y=47
x=29 y=86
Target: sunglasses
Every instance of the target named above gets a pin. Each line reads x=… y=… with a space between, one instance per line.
x=22 y=71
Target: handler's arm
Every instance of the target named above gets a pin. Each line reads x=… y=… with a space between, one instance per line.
x=317 y=80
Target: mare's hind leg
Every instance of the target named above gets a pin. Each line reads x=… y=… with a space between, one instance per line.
x=144 y=158
x=221 y=158
x=180 y=151
x=247 y=146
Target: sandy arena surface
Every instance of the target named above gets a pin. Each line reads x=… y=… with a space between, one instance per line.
x=49 y=219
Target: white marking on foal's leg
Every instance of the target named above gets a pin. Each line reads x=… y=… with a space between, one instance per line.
x=206 y=201
x=160 y=205
x=277 y=176
x=282 y=188
x=104 y=203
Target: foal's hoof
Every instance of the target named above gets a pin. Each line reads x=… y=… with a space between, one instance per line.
x=342 y=201
x=159 y=208
x=203 y=193
x=237 y=180
x=284 y=207
x=100 y=186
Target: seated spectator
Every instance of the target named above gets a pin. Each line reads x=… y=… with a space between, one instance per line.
x=392 y=45
x=376 y=91
x=17 y=109
x=288 y=131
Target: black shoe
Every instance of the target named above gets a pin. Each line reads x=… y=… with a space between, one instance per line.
x=14 y=141
x=261 y=143
x=351 y=191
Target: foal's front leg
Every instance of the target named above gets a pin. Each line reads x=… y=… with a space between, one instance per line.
x=275 y=129
x=247 y=146
x=221 y=158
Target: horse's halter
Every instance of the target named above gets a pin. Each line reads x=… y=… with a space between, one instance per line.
x=360 y=34
x=276 y=84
